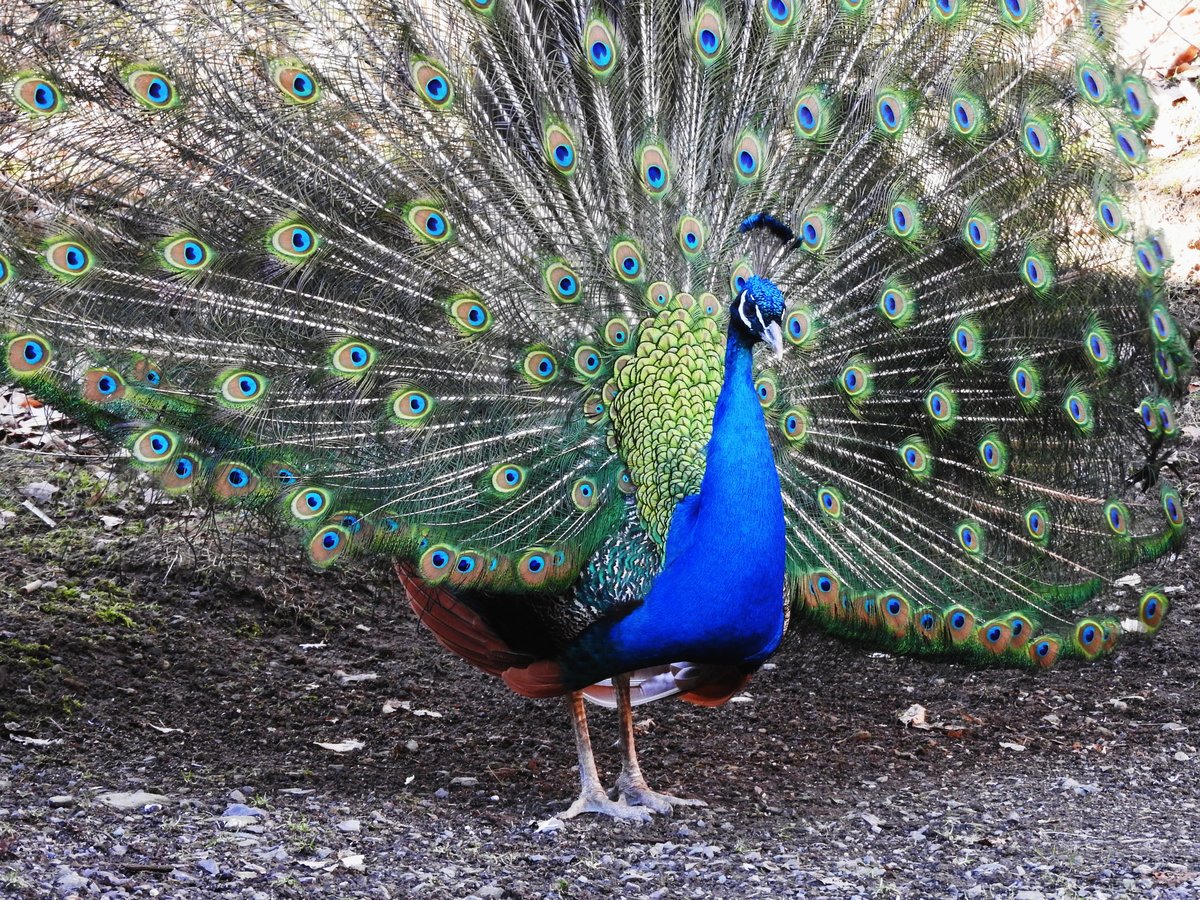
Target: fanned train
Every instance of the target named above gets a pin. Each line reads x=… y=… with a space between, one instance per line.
x=480 y=284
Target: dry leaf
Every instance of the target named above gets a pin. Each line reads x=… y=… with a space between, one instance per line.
x=914 y=717
x=347 y=746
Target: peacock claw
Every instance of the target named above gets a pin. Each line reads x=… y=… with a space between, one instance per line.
x=601 y=805
x=637 y=794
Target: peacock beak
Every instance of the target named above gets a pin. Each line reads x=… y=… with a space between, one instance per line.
x=773 y=338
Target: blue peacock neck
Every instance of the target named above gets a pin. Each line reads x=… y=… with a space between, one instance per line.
x=740 y=481
x=719 y=597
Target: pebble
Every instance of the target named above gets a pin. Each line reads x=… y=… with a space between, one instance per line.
x=134 y=800
x=69 y=882
x=61 y=800
x=209 y=866
x=240 y=809
x=991 y=872
x=464 y=782
x=350 y=826
x=490 y=892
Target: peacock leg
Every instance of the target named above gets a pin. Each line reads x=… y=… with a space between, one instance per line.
x=592 y=798
x=631 y=784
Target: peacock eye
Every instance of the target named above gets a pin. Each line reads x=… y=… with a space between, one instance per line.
x=891 y=113
x=432 y=84
x=153 y=89
x=616 y=332
x=627 y=262
x=654 y=168
x=241 y=388
x=749 y=155
x=68 y=259
x=539 y=367
x=428 y=222
x=507 y=478
x=38 y=95
x=561 y=281
x=352 y=357
x=154 y=446
x=293 y=242
x=411 y=407
x=185 y=254
x=1017 y=12
x=295 y=81
x=708 y=34
x=600 y=47
x=309 y=504
x=560 y=149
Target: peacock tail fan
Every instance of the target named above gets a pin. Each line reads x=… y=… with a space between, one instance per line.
x=449 y=281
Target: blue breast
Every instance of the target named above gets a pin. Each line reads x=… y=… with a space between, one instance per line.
x=719 y=598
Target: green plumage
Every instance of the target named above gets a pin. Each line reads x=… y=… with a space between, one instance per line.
x=450 y=282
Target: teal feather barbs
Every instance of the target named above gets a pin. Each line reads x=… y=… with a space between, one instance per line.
x=386 y=255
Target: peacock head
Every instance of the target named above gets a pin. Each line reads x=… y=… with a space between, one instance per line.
x=758 y=313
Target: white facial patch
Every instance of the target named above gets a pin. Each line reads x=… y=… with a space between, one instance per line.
x=741 y=309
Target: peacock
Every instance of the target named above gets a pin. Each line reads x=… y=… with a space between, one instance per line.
x=481 y=285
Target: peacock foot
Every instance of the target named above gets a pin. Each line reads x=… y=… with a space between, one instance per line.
x=597 y=802
x=637 y=794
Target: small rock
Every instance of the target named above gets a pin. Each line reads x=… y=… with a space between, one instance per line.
x=39 y=491
x=354 y=861
x=350 y=826
x=490 y=892
x=209 y=866
x=61 y=800
x=70 y=882
x=134 y=800
x=237 y=797
x=991 y=872
x=239 y=815
x=1180 y=756
x=1070 y=784
x=441 y=793
x=240 y=809
x=464 y=782
x=1030 y=895
x=411 y=746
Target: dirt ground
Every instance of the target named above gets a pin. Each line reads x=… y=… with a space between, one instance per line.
x=129 y=661
x=295 y=734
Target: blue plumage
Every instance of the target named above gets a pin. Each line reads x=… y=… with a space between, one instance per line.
x=717 y=598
